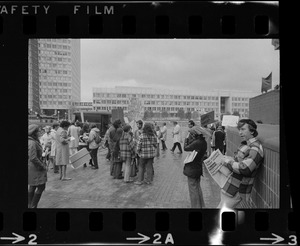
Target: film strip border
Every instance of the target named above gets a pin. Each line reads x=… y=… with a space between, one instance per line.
x=140 y=19
x=183 y=227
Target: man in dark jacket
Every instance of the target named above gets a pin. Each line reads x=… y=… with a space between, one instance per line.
x=218 y=139
x=193 y=169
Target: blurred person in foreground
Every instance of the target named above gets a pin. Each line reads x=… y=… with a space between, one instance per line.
x=37 y=169
x=193 y=170
x=243 y=166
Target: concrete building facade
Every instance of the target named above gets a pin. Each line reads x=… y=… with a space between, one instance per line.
x=33 y=77
x=266 y=107
x=58 y=74
x=158 y=100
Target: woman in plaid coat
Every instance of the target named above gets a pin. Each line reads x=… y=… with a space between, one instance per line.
x=146 y=149
x=127 y=152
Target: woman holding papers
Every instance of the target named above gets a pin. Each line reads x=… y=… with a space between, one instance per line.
x=193 y=165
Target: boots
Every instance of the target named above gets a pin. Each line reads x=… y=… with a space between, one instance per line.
x=35 y=200
x=30 y=196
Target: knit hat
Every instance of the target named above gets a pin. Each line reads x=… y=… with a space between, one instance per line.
x=32 y=128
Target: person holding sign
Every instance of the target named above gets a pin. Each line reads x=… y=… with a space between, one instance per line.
x=193 y=166
x=244 y=166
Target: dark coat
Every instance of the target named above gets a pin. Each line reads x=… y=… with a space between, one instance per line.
x=194 y=168
x=37 y=170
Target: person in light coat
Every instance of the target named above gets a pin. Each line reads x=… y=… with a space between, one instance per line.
x=176 y=137
x=53 y=147
x=62 y=149
x=73 y=131
x=37 y=169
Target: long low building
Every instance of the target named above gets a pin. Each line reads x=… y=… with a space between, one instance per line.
x=158 y=100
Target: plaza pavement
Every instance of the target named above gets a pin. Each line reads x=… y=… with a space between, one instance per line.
x=90 y=188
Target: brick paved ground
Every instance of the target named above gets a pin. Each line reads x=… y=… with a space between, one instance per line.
x=91 y=188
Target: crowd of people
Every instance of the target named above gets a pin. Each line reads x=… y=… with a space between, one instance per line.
x=131 y=154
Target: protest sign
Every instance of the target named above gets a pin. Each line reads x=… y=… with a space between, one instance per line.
x=79 y=158
x=208 y=118
x=230 y=120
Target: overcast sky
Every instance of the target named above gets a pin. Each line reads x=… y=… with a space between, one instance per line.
x=202 y=64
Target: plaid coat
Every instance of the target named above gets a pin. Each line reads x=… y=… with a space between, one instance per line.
x=246 y=162
x=127 y=145
x=146 y=146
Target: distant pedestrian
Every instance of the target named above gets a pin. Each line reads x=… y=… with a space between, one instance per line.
x=73 y=131
x=158 y=135
x=243 y=166
x=37 y=169
x=218 y=139
x=62 y=149
x=208 y=138
x=93 y=145
x=176 y=137
x=106 y=143
x=164 y=136
x=193 y=170
x=52 y=157
x=146 y=149
x=127 y=152
x=82 y=140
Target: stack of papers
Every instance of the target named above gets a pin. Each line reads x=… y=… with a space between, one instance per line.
x=216 y=169
x=190 y=157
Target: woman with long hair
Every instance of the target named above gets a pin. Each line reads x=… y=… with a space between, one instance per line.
x=146 y=149
x=127 y=153
x=37 y=169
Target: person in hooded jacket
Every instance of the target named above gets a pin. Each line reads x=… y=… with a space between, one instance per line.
x=193 y=170
x=37 y=169
x=93 y=146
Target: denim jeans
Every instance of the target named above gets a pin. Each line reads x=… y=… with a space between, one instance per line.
x=195 y=191
x=145 y=164
x=94 y=156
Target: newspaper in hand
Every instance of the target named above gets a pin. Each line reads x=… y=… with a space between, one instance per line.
x=190 y=157
x=214 y=161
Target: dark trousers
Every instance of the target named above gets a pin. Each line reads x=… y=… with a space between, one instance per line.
x=163 y=143
x=34 y=194
x=178 y=145
x=94 y=157
x=117 y=170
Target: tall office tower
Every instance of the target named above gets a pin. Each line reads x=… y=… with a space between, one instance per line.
x=33 y=77
x=59 y=75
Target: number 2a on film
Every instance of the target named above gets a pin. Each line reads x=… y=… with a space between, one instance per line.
x=158 y=239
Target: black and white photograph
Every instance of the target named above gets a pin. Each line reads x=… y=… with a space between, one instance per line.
x=154 y=123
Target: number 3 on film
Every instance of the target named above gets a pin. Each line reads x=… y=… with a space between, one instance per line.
x=293 y=239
